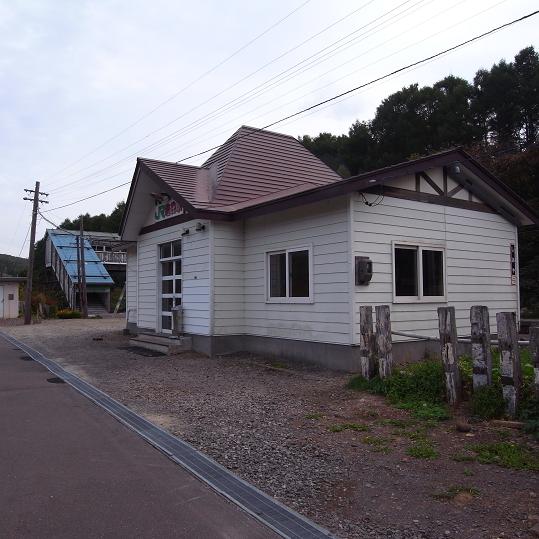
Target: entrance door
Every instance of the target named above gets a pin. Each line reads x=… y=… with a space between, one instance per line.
x=1 y=302
x=170 y=267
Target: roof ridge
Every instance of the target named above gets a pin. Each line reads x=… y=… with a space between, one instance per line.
x=167 y=162
x=263 y=130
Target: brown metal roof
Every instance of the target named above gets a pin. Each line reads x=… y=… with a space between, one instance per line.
x=250 y=167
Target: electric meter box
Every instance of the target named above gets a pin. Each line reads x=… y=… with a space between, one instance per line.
x=363 y=270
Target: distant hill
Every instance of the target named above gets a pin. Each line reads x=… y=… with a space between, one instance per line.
x=13 y=265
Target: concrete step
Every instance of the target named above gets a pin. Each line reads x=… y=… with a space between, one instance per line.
x=164 y=344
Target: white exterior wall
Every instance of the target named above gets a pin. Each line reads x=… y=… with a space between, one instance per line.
x=10 y=307
x=131 y=284
x=476 y=260
x=195 y=277
x=322 y=226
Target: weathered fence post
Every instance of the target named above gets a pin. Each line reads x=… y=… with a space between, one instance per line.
x=367 y=344
x=509 y=361
x=383 y=341
x=481 y=353
x=534 y=352
x=448 y=344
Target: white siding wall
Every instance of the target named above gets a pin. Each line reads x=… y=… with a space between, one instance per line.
x=131 y=284
x=195 y=276
x=228 y=278
x=325 y=227
x=477 y=259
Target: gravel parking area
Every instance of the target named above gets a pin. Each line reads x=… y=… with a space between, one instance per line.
x=279 y=427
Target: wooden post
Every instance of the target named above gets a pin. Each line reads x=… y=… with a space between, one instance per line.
x=534 y=352
x=509 y=361
x=481 y=353
x=367 y=343
x=448 y=344
x=383 y=341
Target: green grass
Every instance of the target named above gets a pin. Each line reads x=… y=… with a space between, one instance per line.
x=340 y=427
x=379 y=444
x=467 y=472
x=314 y=415
x=418 y=387
x=463 y=457
x=487 y=402
x=507 y=455
x=453 y=491
x=423 y=449
x=278 y=365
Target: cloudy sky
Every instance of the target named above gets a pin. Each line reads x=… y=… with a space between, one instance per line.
x=87 y=86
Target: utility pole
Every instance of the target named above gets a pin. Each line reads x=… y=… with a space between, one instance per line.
x=29 y=279
x=84 y=297
x=79 y=287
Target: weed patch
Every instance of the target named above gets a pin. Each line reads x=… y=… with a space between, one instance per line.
x=378 y=443
x=340 y=427
x=452 y=492
x=507 y=455
x=423 y=449
x=487 y=402
x=315 y=415
x=418 y=387
x=463 y=457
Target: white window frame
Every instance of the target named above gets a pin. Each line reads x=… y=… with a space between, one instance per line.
x=420 y=246
x=172 y=278
x=287 y=298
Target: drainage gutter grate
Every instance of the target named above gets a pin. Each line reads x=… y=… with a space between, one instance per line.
x=264 y=508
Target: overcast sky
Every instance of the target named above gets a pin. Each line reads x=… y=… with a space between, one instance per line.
x=76 y=75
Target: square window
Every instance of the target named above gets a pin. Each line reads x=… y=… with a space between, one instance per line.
x=418 y=273
x=277 y=270
x=298 y=274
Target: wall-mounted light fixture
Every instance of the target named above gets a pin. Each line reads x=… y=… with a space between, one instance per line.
x=200 y=226
x=185 y=232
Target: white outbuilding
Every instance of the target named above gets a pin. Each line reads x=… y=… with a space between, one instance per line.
x=9 y=296
x=268 y=250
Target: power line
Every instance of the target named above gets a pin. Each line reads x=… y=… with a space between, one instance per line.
x=336 y=97
x=232 y=86
x=186 y=87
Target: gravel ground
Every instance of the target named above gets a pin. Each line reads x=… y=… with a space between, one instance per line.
x=272 y=426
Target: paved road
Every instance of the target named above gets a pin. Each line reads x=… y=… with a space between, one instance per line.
x=68 y=469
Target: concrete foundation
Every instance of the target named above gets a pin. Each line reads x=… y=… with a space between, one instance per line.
x=332 y=356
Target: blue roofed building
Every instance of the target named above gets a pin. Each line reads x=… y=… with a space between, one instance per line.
x=62 y=257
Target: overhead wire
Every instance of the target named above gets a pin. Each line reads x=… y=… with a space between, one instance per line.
x=186 y=87
x=338 y=96
x=234 y=101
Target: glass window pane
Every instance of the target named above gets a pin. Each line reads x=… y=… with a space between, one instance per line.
x=277 y=271
x=178 y=286
x=167 y=268
x=167 y=304
x=433 y=273
x=298 y=266
x=166 y=322
x=167 y=287
x=177 y=301
x=166 y=251
x=177 y=248
x=178 y=268
x=405 y=272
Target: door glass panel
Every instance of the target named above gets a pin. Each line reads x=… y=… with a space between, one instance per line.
x=166 y=251
x=178 y=286
x=177 y=248
x=178 y=269
x=166 y=322
x=167 y=268
x=167 y=304
x=168 y=287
